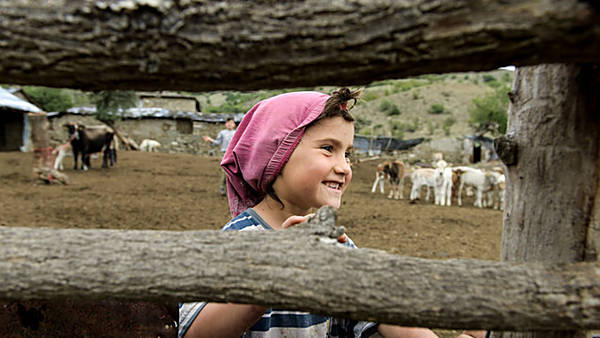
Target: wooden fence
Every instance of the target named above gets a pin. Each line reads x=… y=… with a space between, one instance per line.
x=548 y=279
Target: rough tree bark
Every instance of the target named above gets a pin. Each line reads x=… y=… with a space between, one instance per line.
x=552 y=152
x=210 y=45
x=317 y=275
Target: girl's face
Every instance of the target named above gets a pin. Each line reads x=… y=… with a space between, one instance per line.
x=318 y=171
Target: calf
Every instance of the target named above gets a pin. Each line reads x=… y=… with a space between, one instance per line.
x=456 y=179
x=479 y=180
x=91 y=140
x=495 y=192
x=62 y=151
x=421 y=177
x=394 y=172
x=443 y=186
x=149 y=145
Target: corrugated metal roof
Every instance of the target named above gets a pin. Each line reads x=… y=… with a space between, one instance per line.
x=139 y=113
x=11 y=101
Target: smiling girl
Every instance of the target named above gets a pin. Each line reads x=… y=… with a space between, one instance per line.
x=289 y=156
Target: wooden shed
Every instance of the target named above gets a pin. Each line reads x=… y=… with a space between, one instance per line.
x=14 y=125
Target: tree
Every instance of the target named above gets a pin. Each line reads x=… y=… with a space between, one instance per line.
x=489 y=112
x=50 y=99
x=110 y=104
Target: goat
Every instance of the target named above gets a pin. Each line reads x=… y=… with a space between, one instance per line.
x=149 y=145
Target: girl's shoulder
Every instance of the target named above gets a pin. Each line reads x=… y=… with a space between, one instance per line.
x=248 y=220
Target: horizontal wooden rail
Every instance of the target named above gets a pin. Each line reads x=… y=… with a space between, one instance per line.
x=302 y=268
x=211 y=45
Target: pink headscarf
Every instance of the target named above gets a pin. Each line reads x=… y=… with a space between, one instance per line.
x=263 y=142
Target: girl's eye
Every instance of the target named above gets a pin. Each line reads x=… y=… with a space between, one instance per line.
x=327 y=148
x=348 y=156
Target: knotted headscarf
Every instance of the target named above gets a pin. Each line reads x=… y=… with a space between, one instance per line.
x=263 y=142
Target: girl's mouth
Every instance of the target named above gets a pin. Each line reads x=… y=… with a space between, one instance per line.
x=333 y=185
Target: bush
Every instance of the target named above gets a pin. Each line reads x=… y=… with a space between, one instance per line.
x=436 y=108
x=489 y=112
x=488 y=78
x=393 y=111
x=389 y=108
x=385 y=105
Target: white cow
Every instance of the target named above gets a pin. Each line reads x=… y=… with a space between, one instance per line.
x=149 y=145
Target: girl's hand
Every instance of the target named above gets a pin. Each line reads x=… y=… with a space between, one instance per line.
x=294 y=220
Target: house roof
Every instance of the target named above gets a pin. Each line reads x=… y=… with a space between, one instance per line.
x=140 y=113
x=8 y=100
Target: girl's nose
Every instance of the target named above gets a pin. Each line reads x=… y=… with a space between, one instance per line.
x=343 y=166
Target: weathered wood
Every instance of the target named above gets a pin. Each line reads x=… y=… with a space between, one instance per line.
x=210 y=45
x=43 y=159
x=316 y=275
x=553 y=189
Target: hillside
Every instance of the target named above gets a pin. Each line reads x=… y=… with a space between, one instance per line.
x=413 y=97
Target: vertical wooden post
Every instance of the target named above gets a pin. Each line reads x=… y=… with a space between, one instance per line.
x=552 y=153
x=42 y=152
x=43 y=160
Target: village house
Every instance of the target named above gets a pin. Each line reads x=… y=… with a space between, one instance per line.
x=14 y=125
x=175 y=121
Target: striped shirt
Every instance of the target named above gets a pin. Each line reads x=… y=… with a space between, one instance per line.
x=277 y=323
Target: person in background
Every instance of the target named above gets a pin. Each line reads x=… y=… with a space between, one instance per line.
x=222 y=140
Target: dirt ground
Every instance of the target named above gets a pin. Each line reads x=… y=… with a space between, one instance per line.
x=180 y=192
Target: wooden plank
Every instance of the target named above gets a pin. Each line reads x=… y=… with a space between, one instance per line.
x=212 y=45
x=301 y=268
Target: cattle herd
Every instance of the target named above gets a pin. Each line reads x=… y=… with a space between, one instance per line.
x=447 y=182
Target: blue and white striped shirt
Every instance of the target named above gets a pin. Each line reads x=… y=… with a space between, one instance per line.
x=277 y=323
